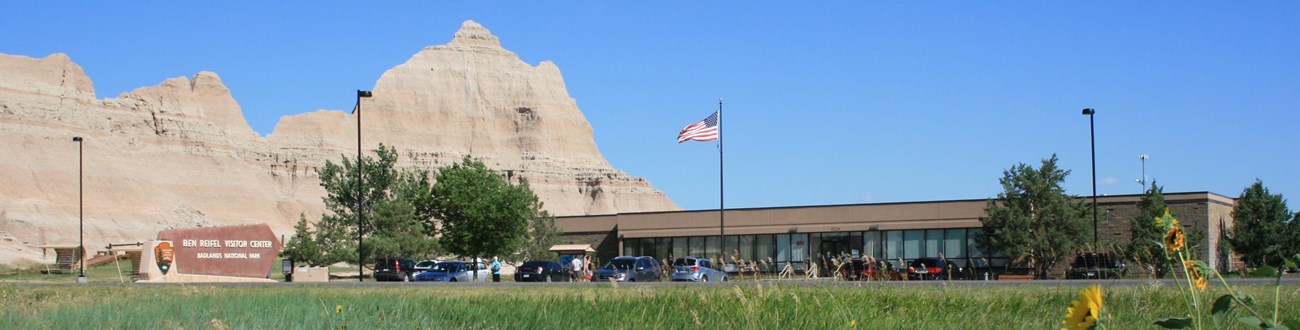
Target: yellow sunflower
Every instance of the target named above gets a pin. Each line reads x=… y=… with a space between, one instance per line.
x=1174 y=239
x=1083 y=312
x=1194 y=273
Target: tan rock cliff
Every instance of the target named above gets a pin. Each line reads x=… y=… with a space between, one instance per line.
x=181 y=154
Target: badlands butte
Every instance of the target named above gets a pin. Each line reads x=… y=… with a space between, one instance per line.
x=182 y=155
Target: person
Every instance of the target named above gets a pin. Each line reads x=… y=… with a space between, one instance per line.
x=576 y=265
x=496 y=269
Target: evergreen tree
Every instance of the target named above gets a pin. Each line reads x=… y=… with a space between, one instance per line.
x=542 y=234
x=302 y=248
x=399 y=234
x=1144 y=248
x=1261 y=231
x=1033 y=221
x=482 y=214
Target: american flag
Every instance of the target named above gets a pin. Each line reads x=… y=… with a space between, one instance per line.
x=703 y=131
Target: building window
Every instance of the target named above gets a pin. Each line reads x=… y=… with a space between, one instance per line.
x=712 y=247
x=954 y=243
x=629 y=246
x=933 y=243
x=912 y=243
x=765 y=248
x=745 y=243
x=871 y=244
x=893 y=245
x=782 y=249
x=662 y=245
x=679 y=247
x=799 y=249
x=697 y=247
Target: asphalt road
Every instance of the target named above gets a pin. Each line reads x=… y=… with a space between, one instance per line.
x=1290 y=281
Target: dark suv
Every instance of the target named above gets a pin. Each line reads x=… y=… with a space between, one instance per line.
x=394 y=269
x=1095 y=265
x=629 y=269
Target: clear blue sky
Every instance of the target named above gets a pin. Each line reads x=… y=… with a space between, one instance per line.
x=824 y=104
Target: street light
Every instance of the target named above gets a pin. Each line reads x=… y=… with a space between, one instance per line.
x=81 y=213
x=1143 y=180
x=360 y=190
x=1092 y=141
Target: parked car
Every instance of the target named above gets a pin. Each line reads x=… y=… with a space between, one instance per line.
x=926 y=269
x=541 y=271
x=696 y=269
x=454 y=271
x=394 y=269
x=1090 y=265
x=629 y=269
x=424 y=265
x=864 y=270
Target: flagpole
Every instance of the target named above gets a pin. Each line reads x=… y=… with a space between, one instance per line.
x=722 y=210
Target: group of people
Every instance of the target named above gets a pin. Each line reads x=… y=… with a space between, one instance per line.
x=580 y=269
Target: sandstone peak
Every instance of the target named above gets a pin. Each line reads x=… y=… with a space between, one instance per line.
x=472 y=34
x=181 y=155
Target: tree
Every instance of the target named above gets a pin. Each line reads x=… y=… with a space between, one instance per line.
x=481 y=213
x=1144 y=247
x=1033 y=221
x=1261 y=232
x=398 y=233
x=302 y=248
x=542 y=234
x=383 y=187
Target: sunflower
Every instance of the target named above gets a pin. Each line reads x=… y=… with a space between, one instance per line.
x=1083 y=312
x=1194 y=273
x=1174 y=239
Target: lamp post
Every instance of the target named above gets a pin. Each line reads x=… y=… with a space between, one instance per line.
x=1092 y=141
x=81 y=213
x=361 y=197
x=1143 y=180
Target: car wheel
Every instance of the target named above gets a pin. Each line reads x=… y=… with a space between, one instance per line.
x=453 y=279
x=547 y=278
x=704 y=279
x=724 y=278
x=406 y=278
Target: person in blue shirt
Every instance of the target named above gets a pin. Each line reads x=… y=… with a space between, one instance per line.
x=496 y=270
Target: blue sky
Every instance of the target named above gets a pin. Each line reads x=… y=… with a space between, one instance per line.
x=832 y=103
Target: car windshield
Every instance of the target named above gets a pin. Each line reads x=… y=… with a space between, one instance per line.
x=445 y=267
x=620 y=264
x=684 y=262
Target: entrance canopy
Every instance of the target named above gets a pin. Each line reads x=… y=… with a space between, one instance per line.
x=563 y=249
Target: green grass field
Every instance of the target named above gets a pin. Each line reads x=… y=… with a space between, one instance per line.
x=752 y=305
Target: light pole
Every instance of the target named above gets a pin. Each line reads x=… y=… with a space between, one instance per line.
x=1143 y=180
x=361 y=197
x=1092 y=141
x=81 y=213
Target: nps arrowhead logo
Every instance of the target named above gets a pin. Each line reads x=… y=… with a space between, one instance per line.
x=163 y=252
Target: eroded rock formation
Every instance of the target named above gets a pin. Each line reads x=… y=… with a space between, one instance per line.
x=181 y=154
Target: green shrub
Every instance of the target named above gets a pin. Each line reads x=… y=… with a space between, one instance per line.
x=1264 y=272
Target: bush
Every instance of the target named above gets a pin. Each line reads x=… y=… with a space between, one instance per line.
x=1264 y=272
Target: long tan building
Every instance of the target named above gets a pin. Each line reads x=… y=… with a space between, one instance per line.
x=888 y=231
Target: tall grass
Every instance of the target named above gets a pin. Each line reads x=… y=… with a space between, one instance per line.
x=748 y=305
